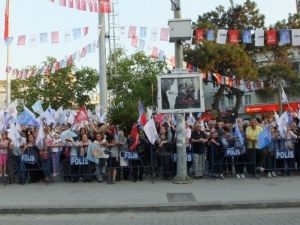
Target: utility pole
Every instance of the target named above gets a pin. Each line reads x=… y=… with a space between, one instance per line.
x=181 y=173
x=102 y=64
x=8 y=57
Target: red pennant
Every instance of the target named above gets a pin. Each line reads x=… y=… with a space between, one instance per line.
x=164 y=34
x=134 y=41
x=131 y=31
x=105 y=6
x=6 y=21
x=71 y=3
x=78 y=4
x=233 y=36
x=199 y=35
x=83 y=5
x=154 y=53
x=271 y=37
x=55 y=37
x=21 y=40
x=85 y=30
x=63 y=3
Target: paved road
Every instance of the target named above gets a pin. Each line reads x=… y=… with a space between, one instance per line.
x=234 y=217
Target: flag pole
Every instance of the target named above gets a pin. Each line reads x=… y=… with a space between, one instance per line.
x=8 y=60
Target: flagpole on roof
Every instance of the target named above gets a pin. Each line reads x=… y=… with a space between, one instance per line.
x=8 y=51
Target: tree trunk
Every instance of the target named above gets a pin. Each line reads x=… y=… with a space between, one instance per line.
x=238 y=94
x=217 y=97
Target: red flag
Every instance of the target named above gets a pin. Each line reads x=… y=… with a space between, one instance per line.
x=159 y=118
x=154 y=53
x=78 y=4
x=199 y=35
x=21 y=40
x=85 y=30
x=135 y=136
x=83 y=5
x=63 y=3
x=105 y=6
x=71 y=3
x=164 y=34
x=143 y=119
x=83 y=52
x=55 y=37
x=271 y=37
x=134 y=41
x=81 y=116
x=233 y=36
x=219 y=78
x=70 y=60
x=131 y=31
x=6 y=21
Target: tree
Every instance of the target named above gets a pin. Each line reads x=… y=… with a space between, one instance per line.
x=130 y=79
x=228 y=60
x=66 y=87
x=278 y=64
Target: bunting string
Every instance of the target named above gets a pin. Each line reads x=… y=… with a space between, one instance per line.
x=53 y=37
x=52 y=68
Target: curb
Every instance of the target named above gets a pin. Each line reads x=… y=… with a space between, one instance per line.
x=201 y=207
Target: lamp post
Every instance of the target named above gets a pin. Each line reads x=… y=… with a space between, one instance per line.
x=181 y=173
x=102 y=63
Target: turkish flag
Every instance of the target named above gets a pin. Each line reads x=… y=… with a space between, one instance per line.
x=271 y=37
x=105 y=6
x=233 y=36
x=143 y=119
x=81 y=116
x=6 y=21
x=199 y=35
x=135 y=137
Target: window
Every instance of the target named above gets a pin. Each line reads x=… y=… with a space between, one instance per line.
x=231 y=101
x=222 y=102
x=248 y=100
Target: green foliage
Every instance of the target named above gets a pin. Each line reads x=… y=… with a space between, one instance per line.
x=66 y=87
x=130 y=79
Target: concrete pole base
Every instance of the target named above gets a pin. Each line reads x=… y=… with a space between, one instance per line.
x=181 y=180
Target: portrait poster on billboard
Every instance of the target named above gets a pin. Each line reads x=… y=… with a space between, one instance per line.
x=182 y=92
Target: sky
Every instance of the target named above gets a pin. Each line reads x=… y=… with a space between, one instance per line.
x=31 y=17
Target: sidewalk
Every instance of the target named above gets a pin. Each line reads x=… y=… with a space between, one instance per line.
x=144 y=196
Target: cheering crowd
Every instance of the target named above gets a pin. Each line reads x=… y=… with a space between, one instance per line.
x=95 y=151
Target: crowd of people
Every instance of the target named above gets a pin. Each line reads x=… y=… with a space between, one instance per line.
x=101 y=152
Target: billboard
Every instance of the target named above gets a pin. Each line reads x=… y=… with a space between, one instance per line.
x=180 y=92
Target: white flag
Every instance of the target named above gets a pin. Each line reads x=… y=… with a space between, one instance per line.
x=284 y=98
x=222 y=36
x=40 y=137
x=282 y=124
x=259 y=38
x=150 y=131
x=296 y=37
x=37 y=107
